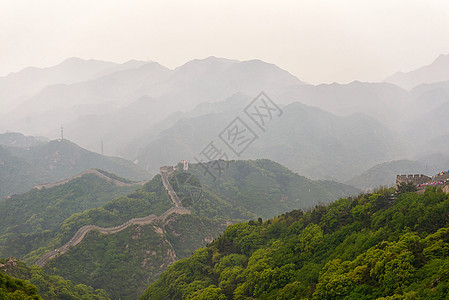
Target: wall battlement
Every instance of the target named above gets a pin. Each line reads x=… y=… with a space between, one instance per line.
x=412 y=178
x=441 y=180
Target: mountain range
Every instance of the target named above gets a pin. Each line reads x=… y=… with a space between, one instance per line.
x=198 y=81
x=17 y=87
x=153 y=115
x=311 y=141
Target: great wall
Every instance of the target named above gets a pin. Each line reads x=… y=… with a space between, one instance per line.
x=422 y=181
x=83 y=231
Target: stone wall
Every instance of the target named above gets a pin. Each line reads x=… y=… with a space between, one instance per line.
x=414 y=178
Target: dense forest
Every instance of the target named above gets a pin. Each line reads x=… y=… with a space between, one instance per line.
x=13 y=288
x=34 y=283
x=368 y=247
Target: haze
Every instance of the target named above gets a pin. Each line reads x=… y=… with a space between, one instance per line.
x=317 y=41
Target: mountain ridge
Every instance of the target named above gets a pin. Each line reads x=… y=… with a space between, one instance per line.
x=434 y=72
x=23 y=168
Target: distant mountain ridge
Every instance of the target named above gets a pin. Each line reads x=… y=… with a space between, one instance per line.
x=197 y=81
x=99 y=173
x=437 y=71
x=385 y=174
x=23 y=168
x=16 y=87
x=15 y=139
x=129 y=107
x=309 y=140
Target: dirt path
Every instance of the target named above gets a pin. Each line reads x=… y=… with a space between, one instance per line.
x=83 y=231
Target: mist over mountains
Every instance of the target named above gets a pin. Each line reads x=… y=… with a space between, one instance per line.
x=309 y=140
x=153 y=115
x=17 y=87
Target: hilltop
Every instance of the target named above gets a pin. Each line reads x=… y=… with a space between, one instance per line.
x=254 y=188
x=15 y=139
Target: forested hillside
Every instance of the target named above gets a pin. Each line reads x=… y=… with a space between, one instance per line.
x=48 y=218
x=31 y=243
x=26 y=239
x=369 y=247
x=36 y=284
x=252 y=188
x=13 y=288
x=125 y=263
x=29 y=220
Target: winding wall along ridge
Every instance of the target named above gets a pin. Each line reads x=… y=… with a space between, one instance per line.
x=83 y=231
x=92 y=171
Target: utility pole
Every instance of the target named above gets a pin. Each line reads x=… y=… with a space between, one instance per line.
x=101 y=147
x=62 y=133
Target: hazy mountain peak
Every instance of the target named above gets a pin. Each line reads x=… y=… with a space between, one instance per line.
x=151 y=64
x=204 y=62
x=442 y=58
x=71 y=60
x=437 y=71
x=257 y=65
x=15 y=139
x=133 y=63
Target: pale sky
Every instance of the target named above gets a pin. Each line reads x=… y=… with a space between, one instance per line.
x=318 y=41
